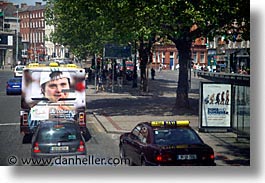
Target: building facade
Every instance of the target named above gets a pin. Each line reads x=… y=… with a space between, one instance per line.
x=10 y=38
x=36 y=35
x=167 y=55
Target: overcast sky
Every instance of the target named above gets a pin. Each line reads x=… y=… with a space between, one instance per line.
x=29 y=2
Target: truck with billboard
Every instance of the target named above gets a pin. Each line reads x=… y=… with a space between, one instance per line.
x=52 y=92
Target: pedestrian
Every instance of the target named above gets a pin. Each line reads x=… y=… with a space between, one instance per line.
x=100 y=83
x=160 y=67
x=120 y=79
x=153 y=72
x=109 y=78
x=194 y=69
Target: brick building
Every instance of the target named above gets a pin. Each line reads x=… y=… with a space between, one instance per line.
x=32 y=29
x=167 y=54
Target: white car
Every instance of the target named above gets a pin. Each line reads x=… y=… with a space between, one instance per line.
x=18 y=71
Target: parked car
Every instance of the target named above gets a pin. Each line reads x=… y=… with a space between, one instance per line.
x=168 y=143
x=13 y=86
x=18 y=71
x=57 y=138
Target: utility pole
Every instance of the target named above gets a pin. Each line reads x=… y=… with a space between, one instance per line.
x=17 y=39
x=96 y=73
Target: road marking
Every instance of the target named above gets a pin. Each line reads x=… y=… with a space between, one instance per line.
x=9 y=124
x=95 y=125
x=115 y=125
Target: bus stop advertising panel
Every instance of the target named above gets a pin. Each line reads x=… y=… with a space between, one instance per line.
x=215 y=105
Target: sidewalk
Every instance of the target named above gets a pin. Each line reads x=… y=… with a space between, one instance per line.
x=157 y=104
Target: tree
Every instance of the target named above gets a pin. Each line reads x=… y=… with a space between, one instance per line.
x=181 y=22
x=87 y=25
x=184 y=21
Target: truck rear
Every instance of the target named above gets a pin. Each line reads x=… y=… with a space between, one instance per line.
x=52 y=92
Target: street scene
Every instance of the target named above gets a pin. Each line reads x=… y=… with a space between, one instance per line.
x=125 y=83
x=109 y=114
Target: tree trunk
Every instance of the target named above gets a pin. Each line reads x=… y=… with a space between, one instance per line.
x=144 y=52
x=184 y=50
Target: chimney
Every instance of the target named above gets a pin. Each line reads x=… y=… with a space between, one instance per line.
x=23 y=5
x=37 y=3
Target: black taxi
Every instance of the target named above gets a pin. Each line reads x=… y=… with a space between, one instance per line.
x=165 y=143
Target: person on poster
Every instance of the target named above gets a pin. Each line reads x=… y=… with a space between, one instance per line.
x=217 y=99
x=212 y=98
x=227 y=97
x=222 y=98
x=206 y=100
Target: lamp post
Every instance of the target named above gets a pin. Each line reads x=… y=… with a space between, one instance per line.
x=135 y=68
x=17 y=40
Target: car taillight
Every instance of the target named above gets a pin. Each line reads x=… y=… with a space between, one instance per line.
x=36 y=148
x=163 y=157
x=25 y=118
x=82 y=119
x=208 y=156
x=81 y=147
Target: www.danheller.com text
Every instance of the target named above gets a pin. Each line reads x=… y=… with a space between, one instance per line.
x=89 y=160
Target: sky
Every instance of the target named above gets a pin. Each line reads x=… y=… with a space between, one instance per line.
x=29 y=2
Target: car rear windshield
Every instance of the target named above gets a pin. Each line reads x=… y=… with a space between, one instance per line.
x=15 y=80
x=19 y=68
x=176 y=136
x=58 y=133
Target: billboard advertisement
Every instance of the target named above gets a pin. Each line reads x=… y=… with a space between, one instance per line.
x=215 y=105
x=53 y=93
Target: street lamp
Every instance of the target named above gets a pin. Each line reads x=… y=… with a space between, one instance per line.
x=135 y=68
x=17 y=40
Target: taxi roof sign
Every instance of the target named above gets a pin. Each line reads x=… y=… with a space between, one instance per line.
x=71 y=65
x=34 y=65
x=170 y=123
x=53 y=64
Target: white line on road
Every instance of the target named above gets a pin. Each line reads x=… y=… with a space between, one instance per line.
x=9 y=124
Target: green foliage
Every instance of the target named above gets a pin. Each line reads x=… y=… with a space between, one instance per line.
x=86 y=26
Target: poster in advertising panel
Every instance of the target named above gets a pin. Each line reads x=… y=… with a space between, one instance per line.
x=216 y=105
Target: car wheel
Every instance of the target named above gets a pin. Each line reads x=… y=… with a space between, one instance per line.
x=122 y=153
x=143 y=162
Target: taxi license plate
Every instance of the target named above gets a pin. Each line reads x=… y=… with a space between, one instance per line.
x=59 y=149
x=187 y=157
x=15 y=86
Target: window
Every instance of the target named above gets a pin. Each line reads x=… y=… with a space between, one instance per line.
x=136 y=131
x=202 y=58
x=195 y=57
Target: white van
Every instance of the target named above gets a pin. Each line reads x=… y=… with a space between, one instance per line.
x=18 y=71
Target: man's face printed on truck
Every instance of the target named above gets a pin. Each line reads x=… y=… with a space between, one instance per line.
x=57 y=87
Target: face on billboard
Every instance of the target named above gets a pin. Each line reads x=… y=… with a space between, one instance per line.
x=56 y=89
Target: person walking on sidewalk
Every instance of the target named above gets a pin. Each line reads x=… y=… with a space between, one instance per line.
x=153 y=72
x=120 y=79
x=100 y=84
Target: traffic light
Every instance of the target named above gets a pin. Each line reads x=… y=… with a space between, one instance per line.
x=93 y=64
x=98 y=63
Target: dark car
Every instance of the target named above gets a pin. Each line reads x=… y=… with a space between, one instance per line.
x=53 y=139
x=168 y=143
x=13 y=86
